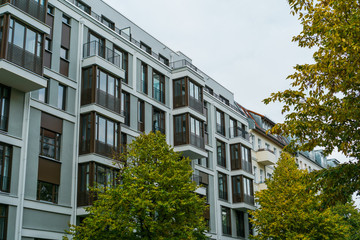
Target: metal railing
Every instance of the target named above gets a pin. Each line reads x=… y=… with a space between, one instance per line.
x=196 y=104
x=206 y=138
x=24 y=58
x=84 y=146
x=95 y=48
x=246 y=166
x=248 y=199
x=180 y=138
x=220 y=99
x=238 y=132
x=197 y=141
x=109 y=101
x=179 y=101
x=34 y=8
x=238 y=198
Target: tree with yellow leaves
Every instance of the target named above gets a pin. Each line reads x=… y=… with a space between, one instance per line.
x=290 y=210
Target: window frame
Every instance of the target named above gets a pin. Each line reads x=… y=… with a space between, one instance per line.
x=54 y=192
x=223 y=186
x=6 y=157
x=56 y=145
x=161 y=89
x=6 y=217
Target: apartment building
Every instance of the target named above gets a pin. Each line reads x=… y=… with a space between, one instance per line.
x=266 y=149
x=78 y=81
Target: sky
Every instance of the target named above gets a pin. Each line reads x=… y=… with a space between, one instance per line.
x=245 y=45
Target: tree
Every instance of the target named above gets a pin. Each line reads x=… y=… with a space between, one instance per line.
x=155 y=198
x=323 y=106
x=289 y=210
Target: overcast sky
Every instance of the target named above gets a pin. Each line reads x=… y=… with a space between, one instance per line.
x=245 y=45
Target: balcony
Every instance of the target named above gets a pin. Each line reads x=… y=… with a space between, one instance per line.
x=27 y=78
x=265 y=157
x=193 y=148
x=235 y=132
x=97 y=54
x=30 y=11
x=105 y=149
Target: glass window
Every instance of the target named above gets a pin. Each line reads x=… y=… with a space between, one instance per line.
x=222 y=180
x=220 y=150
x=83 y=7
x=226 y=220
x=145 y=47
x=3 y=221
x=158 y=87
x=50 y=10
x=107 y=22
x=4 y=107
x=5 y=167
x=49 y=144
x=106 y=132
x=66 y=19
x=158 y=121
x=64 y=53
x=220 y=124
x=61 y=97
x=144 y=78
x=125 y=107
x=164 y=60
x=30 y=44
x=47 y=192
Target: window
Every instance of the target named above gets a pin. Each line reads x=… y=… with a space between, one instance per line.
x=65 y=19
x=141 y=116
x=50 y=10
x=49 y=144
x=221 y=156
x=233 y=128
x=224 y=100
x=123 y=142
x=144 y=78
x=267 y=146
x=209 y=90
x=159 y=87
x=61 y=97
x=5 y=167
x=108 y=90
x=125 y=107
x=95 y=46
x=222 y=180
x=25 y=46
x=4 y=107
x=3 y=221
x=106 y=134
x=275 y=151
x=179 y=99
x=196 y=133
x=255 y=174
x=164 y=60
x=248 y=187
x=158 y=120
x=237 y=189
x=235 y=157
x=220 y=122
x=253 y=142
x=64 y=53
x=259 y=144
x=83 y=7
x=261 y=176
x=145 y=47
x=48 y=39
x=85 y=135
x=226 y=220
x=240 y=226
x=47 y=192
x=108 y=23
x=180 y=130
x=48 y=45
x=195 y=97
x=124 y=56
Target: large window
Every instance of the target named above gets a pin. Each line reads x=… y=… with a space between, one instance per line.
x=141 y=116
x=25 y=46
x=240 y=226
x=108 y=90
x=222 y=180
x=49 y=144
x=47 y=192
x=159 y=87
x=180 y=136
x=179 y=93
x=220 y=122
x=144 y=78
x=226 y=220
x=125 y=107
x=3 y=221
x=124 y=58
x=108 y=23
x=196 y=132
x=94 y=175
x=5 y=167
x=106 y=135
x=240 y=157
x=83 y=7
x=4 y=107
x=158 y=120
x=220 y=151
x=61 y=97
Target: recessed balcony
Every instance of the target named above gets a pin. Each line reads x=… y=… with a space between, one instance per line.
x=265 y=157
x=97 y=54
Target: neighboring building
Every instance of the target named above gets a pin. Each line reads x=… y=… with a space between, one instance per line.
x=78 y=81
x=332 y=162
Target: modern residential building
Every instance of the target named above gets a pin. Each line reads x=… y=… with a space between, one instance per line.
x=78 y=81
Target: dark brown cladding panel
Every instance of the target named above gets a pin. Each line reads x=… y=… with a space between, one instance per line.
x=49 y=171
x=51 y=123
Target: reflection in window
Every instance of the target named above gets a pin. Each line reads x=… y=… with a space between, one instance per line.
x=49 y=144
x=225 y=219
x=47 y=192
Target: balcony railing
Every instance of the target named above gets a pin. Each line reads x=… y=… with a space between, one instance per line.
x=24 y=58
x=159 y=95
x=238 y=198
x=105 y=149
x=33 y=8
x=179 y=138
x=197 y=141
x=179 y=101
x=246 y=166
x=109 y=101
x=4 y=184
x=183 y=63
x=196 y=104
x=238 y=132
x=95 y=48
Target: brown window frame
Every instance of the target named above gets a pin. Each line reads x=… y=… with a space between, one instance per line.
x=223 y=194
x=222 y=159
x=141 y=115
x=54 y=192
x=5 y=95
x=226 y=229
x=162 y=90
x=144 y=81
x=56 y=145
x=161 y=119
x=125 y=106
x=5 y=157
x=220 y=126
x=124 y=61
x=4 y=214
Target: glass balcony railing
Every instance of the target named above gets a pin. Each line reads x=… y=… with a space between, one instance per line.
x=95 y=48
x=24 y=58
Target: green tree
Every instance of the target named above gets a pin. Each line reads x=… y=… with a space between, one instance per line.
x=155 y=198
x=289 y=210
x=322 y=107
